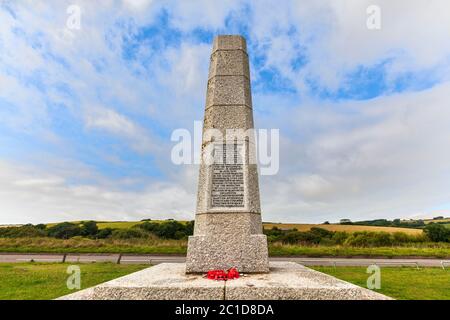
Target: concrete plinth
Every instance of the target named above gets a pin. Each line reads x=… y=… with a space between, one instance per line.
x=168 y=281
x=165 y=281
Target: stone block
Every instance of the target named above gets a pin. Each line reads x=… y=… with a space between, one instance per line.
x=229 y=42
x=229 y=63
x=228 y=91
x=246 y=252
x=230 y=117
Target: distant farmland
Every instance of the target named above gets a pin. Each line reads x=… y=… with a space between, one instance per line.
x=284 y=226
x=339 y=227
x=437 y=220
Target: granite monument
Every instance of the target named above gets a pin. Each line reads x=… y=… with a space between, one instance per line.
x=228 y=228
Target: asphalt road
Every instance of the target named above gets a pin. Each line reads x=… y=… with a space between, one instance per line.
x=156 y=259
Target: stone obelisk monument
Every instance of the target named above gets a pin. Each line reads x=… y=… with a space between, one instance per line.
x=228 y=228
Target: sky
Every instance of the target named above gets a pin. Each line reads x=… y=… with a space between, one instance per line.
x=86 y=114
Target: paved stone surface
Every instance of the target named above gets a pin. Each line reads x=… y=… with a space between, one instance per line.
x=168 y=281
x=291 y=281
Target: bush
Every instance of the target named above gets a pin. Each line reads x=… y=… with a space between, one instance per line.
x=104 y=233
x=314 y=236
x=25 y=231
x=369 y=239
x=168 y=229
x=89 y=228
x=129 y=233
x=292 y=237
x=339 y=237
x=189 y=228
x=40 y=226
x=64 y=230
x=437 y=232
x=328 y=238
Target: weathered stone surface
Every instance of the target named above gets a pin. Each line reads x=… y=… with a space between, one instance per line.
x=168 y=281
x=223 y=222
x=228 y=63
x=291 y=281
x=245 y=253
x=228 y=229
x=228 y=91
x=229 y=42
x=245 y=247
x=231 y=117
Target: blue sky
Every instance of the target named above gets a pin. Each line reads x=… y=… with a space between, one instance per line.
x=86 y=115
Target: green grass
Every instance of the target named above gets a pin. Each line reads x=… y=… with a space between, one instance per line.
x=42 y=281
x=402 y=283
x=29 y=281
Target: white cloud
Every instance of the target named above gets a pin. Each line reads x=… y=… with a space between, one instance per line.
x=333 y=37
x=137 y=5
x=30 y=195
x=111 y=121
x=189 y=15
x=387 y=157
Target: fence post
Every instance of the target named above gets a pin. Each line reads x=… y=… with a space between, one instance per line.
x=119 y=258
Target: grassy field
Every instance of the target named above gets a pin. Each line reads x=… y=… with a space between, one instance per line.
x=158 y=246
x=415 y=250
x=400 y=282
x=31 y=281
x=339 y=227
x=437 y=220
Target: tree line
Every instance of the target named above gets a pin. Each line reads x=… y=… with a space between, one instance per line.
x=89 y=229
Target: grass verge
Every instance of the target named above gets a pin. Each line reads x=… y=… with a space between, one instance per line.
x=402 y=283
x=43 y=281
x=418 y=250
x=158 y=246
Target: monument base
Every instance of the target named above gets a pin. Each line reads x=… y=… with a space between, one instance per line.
x=247 y=254
x=225 y=240
x=168 y=281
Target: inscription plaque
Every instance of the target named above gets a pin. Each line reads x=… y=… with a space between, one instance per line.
x=227 y=176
